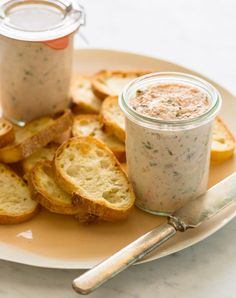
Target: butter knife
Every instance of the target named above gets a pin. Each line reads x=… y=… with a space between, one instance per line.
x=190 y=216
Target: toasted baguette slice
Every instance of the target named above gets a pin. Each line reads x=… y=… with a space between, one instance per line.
x=113 y=117
x=86 y=168
x=109 y=83
x=16 y=205
x=46 y=192
x=7 y=134
x=223 y=142
x=85 y=101
x=35 y=135
x=62 y=137
x=89 y=125
x=46 y=153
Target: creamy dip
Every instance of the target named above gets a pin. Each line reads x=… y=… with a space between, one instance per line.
x=170 y=101
x=168 y=166
x=35 y=79
x=36 y=47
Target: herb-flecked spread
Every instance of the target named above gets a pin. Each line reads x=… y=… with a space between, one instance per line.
x=168 y=167
x=170 y=101
x=35 y=79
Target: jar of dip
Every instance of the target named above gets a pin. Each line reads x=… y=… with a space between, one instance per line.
x=169 y=119
x=36 y=48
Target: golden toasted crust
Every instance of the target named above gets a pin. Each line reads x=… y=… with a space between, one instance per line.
x=223 y=142
x=103 y=88
x=64 y=136
x=90 y=125
x=85 y=101
x=100 y=207
x=10 y=220
x=113 y=118
x=25 y=146
x=46 y=153
x=16 y=205
x=47 y=194
x=7 y=134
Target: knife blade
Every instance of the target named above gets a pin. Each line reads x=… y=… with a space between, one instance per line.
x=192 y=215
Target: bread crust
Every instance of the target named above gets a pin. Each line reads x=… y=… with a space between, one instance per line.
x=45 y=153
x=79 y=103
x=10 y=219
x=42 y=196
x=98 y=82
x=18 y=151
x=17 y=218
x=118 y=151
x=100 y=207
x=110 y=124
x=218 y=155
x=7 y=133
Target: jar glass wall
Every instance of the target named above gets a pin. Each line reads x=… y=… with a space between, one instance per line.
x=168 y=161
x=36 y=50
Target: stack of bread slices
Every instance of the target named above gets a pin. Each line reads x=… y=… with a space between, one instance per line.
x=69 y=163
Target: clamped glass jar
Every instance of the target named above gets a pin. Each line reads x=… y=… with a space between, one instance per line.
x=36 y=50
x=168 y=160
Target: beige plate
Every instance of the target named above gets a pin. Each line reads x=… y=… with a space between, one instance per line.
x=57 y=241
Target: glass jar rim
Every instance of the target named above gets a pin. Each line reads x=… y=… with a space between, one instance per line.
x=73 y=16
x=176 y=77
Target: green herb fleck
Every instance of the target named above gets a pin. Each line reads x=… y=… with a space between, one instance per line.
x=139 y=92
x=147 y=145
x=204 y=215
x=169 y=151
x=152 y=164
x=28 y=72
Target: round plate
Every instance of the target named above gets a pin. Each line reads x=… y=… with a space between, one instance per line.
x=57 y=241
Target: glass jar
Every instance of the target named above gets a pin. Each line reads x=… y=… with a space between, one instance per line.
x=36 y=49
x=168 y=161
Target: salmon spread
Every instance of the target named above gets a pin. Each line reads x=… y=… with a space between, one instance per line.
x=35 y=79
x=168 y=160
x=36 y=51
x=170 y=101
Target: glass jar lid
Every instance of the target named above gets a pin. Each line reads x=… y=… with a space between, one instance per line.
x=40 y=20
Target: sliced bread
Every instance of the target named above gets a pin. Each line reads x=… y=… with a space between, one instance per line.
x=7 y=134
x=90 y=125
x=46 y=153
x=111 y=82
x=85 y=101
x=223 y=142
x=113 y=117
x=16 y=205
x=46 y=191
x=87 y=169
x=35 y=135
